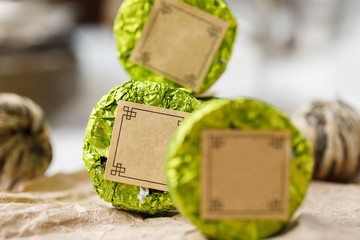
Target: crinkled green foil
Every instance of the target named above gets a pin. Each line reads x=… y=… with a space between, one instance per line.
x=184 y=163
x=130 y=22
x=98 y=136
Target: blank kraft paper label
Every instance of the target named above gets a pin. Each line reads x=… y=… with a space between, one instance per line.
x=139 y=144
x=179 y=41
x=245 y=175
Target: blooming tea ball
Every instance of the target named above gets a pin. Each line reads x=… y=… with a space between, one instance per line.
x=25 y=149
x=333 y=128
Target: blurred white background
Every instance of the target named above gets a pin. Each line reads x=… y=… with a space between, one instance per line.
x=288 y=52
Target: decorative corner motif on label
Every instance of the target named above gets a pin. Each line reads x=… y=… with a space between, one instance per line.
x=129 y=113
x=216 y=142
x=214 y=31
x=215 y=205
x=275 y=205
x=144 y=57
x=166 y=8
x=277 y=142
x=118 y=169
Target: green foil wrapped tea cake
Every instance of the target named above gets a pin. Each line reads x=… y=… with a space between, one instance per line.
x=184 y=160
x=98 y=137
x=128 y=29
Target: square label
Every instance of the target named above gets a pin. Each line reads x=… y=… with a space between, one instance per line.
x=245 y=175
x=179 y=41
x=139 y=144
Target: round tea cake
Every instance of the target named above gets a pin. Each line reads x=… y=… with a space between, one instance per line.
x=333 y=128
x=25 y=148
x=130 y=22
x=98 y=136
x=184 y=163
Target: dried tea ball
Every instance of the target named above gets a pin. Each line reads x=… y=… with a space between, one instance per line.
x=333 y=128
x=25 y=149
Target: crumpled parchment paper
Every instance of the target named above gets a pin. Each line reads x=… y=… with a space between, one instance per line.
x=66 y=207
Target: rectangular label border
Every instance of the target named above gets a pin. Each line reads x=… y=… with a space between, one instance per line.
x=119 y=135
x=202 y=68
x=244 y=134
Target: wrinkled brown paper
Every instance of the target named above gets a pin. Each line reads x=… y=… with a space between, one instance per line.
x=66 y=207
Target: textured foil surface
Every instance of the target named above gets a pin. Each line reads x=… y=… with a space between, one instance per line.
x=98 y=136
x=184 y=163
x=131 y=19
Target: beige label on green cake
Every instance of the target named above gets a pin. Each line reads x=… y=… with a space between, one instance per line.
x=139 y=144
x=245 y=175
x=179 y=41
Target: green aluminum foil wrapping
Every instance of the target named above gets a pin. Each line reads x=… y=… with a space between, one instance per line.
x=184 y=163
x=131 y=19
x=98 y=136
